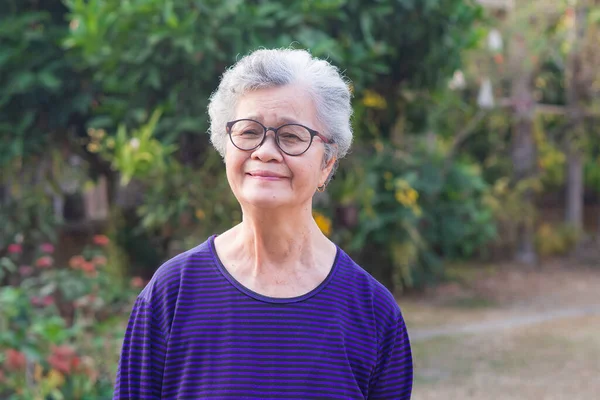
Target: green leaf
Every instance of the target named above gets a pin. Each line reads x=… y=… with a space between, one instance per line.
x=23 y=82
x=48 y=80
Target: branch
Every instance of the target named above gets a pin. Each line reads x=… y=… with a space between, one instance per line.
x=459 y=138
x=550 y=109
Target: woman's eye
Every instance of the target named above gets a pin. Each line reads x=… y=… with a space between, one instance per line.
x=289 y=137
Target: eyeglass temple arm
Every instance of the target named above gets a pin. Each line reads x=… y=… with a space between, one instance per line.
x=323 y=138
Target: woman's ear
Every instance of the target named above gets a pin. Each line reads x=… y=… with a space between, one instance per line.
x=327 y=171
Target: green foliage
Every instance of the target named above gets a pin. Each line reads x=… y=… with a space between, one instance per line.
x=59 y=337
x=138 y=154
x=40 y=90
x=170 y=54
x=556 y=240
x=177 y=203
x=124 y=60
x=27 y=213
x=416 y=209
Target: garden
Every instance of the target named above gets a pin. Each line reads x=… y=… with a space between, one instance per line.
x=476 y=142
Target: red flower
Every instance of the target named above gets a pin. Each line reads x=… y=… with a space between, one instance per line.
x=25 y=270
x=15 y=248
x=137 y=282
x=99 y=260
x=101 y=240
x=63 y=358
x=47 y=248
x=42 y=301
x=47 y=300
x=570 y=12
x=89 y=268
x=15 y=360
x=76 y=261
x=44 y=262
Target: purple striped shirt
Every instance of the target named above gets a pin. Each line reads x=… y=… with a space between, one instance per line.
x=197 y=333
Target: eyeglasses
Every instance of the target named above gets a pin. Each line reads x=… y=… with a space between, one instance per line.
x=292 y=139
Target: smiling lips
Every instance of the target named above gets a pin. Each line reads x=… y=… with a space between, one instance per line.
x=266 y=175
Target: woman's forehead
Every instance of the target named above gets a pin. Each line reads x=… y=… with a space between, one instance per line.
x=279 y=119
x=278 y=105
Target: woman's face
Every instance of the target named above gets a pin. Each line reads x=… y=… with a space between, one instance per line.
x=266 y=177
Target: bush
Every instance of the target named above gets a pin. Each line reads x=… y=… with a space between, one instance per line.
x=556 y=240
x=413 y=210
x=61 y=328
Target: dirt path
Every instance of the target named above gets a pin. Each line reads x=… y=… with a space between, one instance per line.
x=510 y=322
x=507 y=333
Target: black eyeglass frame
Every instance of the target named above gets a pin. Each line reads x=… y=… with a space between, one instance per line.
x=312 y=132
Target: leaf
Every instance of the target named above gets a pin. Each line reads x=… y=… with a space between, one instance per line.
x=8 y=264
x=153 y=78
x=48 y=80
x=366 y=25
x=189 y=124
x=23 y=82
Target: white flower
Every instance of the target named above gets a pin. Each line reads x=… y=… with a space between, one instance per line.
x=485 y=99
x=134 y=143
x=495 y=40
x=458 y=81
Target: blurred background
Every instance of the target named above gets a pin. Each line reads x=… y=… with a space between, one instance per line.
x=472 y=190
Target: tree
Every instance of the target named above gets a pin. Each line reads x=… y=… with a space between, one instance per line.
x=168 y=54
x=580 y=77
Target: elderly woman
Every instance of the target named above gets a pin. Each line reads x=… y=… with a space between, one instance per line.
x=270 y=309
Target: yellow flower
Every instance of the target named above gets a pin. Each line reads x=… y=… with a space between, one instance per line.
x=37 y=372
x=407 y=197
x=402 y=184
x=110 y=143
x=200 y=214
x=323 y=222
x=55 y=378
x=373 y=99
x=93 y=147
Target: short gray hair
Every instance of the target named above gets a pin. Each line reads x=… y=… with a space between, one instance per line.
x=264 y=68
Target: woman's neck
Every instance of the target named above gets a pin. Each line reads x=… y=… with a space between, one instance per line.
x=275 y=239
x=280 y=257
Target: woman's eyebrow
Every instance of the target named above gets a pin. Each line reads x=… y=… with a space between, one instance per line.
x=285 y=120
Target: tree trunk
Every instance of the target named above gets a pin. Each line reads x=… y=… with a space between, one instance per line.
x=524 y=156
x=523 y=146
x=575 y=192
x=575 y=85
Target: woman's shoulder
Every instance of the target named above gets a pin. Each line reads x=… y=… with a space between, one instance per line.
x=367 y=285
x=167 y=278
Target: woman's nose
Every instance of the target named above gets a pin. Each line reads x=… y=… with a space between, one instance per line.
x=269 y=149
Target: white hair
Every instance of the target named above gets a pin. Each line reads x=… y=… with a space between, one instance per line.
x=279 y=67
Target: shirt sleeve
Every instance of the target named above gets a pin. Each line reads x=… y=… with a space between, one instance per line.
x=140 y=371
x=392 y=377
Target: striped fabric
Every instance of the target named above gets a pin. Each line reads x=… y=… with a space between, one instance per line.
x=196 y=333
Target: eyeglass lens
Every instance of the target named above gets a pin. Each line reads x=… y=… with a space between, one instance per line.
x=292 y=139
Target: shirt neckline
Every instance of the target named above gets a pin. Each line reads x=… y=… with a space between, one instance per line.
x=268 y=299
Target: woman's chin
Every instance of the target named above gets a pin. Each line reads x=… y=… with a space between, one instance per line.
x=266 y=200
